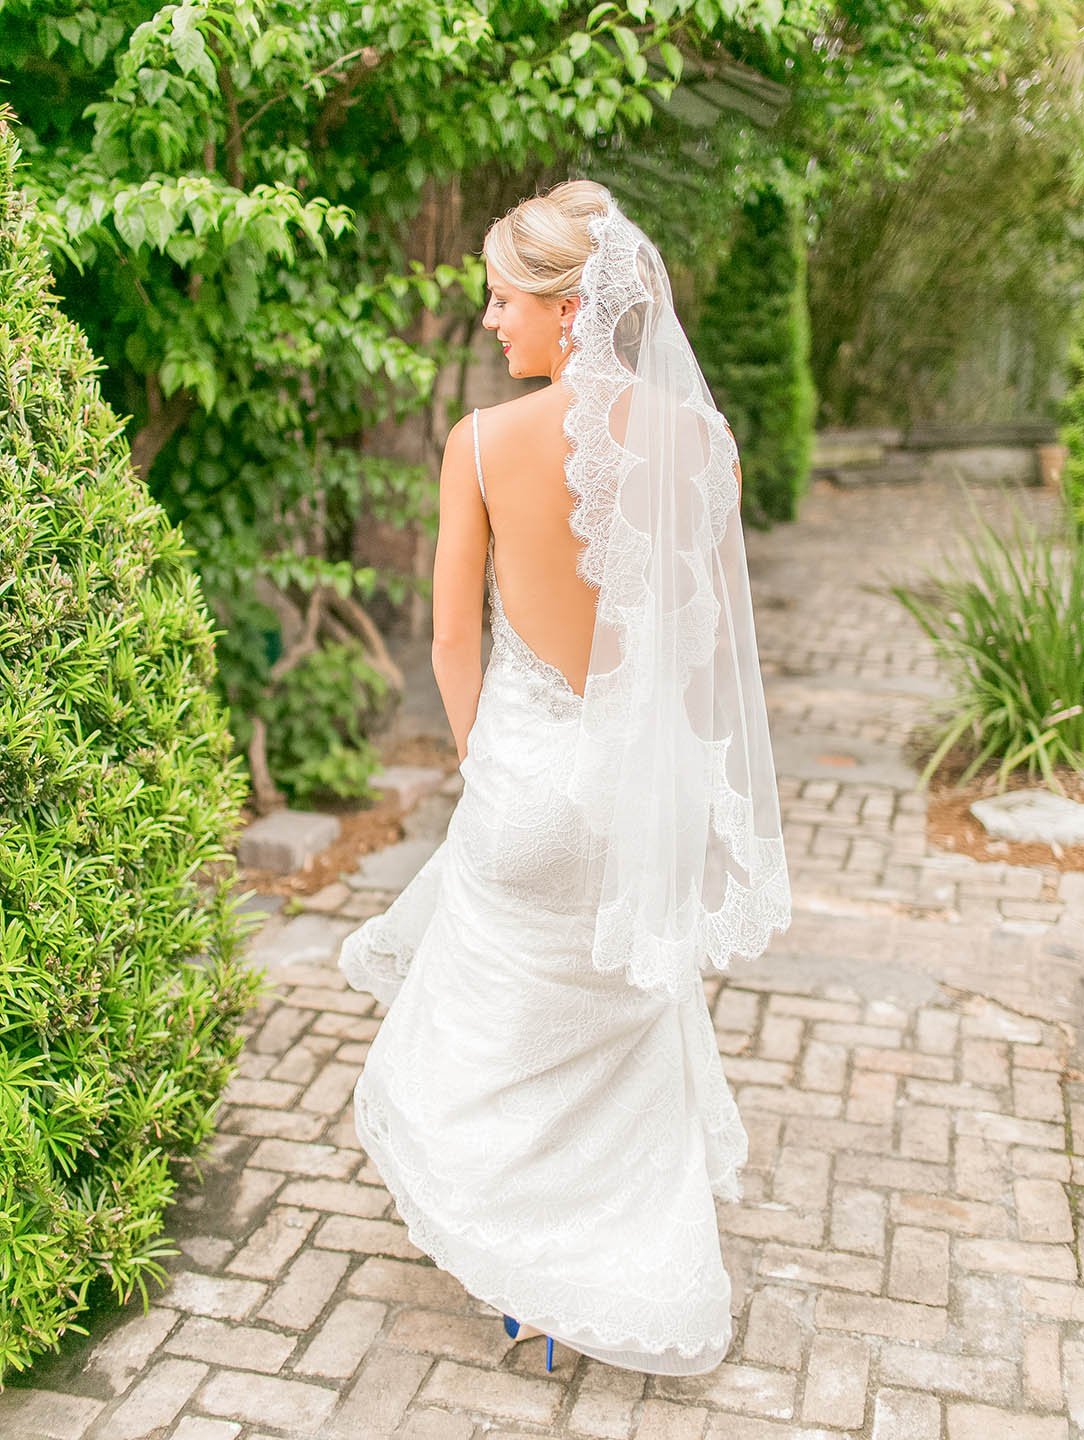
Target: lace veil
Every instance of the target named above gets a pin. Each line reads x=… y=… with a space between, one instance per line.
x=673 y=765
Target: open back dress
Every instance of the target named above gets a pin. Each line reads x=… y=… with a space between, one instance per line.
x=553 y=1137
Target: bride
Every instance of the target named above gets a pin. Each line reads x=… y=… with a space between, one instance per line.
x=544 y=1098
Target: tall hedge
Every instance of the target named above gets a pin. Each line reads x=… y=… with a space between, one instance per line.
x=1071 y=415
x=753 y=346
x=121 y=983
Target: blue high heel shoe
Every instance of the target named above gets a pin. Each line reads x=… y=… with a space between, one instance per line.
x=512 y=1328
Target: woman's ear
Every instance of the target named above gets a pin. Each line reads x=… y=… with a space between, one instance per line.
x=566 y=309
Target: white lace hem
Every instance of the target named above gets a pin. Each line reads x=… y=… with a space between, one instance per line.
x=517 y=1293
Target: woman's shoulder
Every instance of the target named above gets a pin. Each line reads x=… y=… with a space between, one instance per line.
x=510 y=422
x=512 y=419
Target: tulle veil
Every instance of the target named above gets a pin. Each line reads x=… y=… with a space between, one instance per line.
x=673 y=771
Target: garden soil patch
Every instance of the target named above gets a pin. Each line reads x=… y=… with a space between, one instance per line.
x=363 y=830
x=950 y=824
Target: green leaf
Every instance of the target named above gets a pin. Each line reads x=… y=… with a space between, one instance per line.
x=578 y=45
x=638 y=107
x=199 y=217
x=242 y=291
x=130 y=226
x=263 y=48
x=473 y=279
x=159 y=222
x=626 y=42
x=113 y=28
x=538 y=127
x=95 y=47
x=480 y=128
x=153 y=84
x=563 y=69
x=672 y=58
x=184 y=249
x=48 y=34
x=597 y=13
x=189 y=48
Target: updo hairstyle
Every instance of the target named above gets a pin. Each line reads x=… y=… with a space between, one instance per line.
x=541 y=245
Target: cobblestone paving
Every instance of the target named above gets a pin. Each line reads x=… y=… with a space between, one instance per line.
x=906 y=1259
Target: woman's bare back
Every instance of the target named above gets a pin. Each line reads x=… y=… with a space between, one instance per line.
x=523 y=453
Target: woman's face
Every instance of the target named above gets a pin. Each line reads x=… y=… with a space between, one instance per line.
x=528 y=328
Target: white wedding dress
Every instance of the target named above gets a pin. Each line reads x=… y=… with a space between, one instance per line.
x=552 y=1136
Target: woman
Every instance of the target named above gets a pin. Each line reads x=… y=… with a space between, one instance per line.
x=545 y=1099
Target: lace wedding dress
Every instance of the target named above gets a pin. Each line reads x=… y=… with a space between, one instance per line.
x=553 y=1136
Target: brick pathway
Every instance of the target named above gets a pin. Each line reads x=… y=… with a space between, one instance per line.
x=906 y=1262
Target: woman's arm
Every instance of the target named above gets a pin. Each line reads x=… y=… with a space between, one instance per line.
x=737 y=465
x=459 y=583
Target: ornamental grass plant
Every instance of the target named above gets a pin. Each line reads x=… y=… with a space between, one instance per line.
x=1007 y=623
x=121 y=982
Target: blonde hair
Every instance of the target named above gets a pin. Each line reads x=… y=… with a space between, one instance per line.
x=541 y=244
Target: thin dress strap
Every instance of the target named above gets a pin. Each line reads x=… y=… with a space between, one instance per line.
x=478 y=462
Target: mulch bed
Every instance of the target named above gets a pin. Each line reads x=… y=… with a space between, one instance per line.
x=950 y=824
x=363 y=830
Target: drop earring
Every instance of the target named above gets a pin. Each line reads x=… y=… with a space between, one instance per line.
x=563 y=342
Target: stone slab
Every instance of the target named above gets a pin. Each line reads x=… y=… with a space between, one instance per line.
x=393 y=867
x=1032 y=817
x=406 y=784
x=284 y=840
x=40 y=1413
x=309 y=939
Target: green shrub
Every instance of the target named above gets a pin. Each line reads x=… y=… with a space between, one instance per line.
x=1072 y=434
x=753 y=345
x=1009 y=628
x=121 y=986
x=317 y=715
x=318 y=719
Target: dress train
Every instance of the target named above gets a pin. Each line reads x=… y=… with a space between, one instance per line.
x=553 y=1137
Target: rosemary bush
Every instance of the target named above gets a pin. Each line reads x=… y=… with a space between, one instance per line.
x=1008 y=625
x=121 y=986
